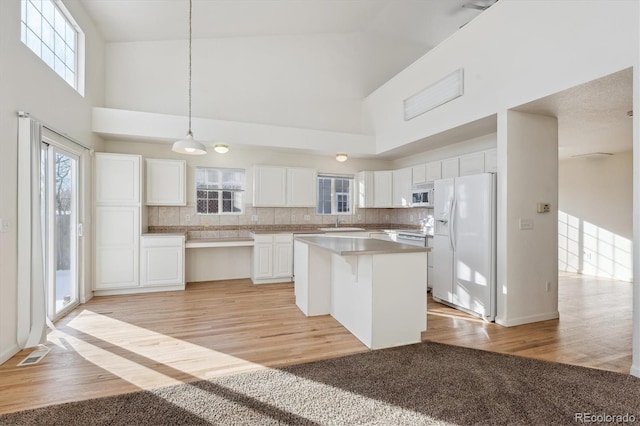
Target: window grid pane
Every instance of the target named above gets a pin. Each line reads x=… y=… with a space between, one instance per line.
x=334 y=195
x=46 y=30
x=219 y=191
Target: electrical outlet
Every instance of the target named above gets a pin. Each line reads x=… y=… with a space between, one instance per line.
x=187 y=218
x=359 y=217
x=293 y=218
x=410 y=218
x=548 y=286
x=307 y=217
x=386 y=217
x=254 y=218
x=526 y=224
x=4 y=225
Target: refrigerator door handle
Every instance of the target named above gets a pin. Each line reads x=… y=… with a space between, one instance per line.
x=452 y=215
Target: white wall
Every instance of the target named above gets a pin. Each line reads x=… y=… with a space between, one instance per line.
x=27 y=83
x=527 y=259
x=515 y=52
x=595 y=229
x=307 y=81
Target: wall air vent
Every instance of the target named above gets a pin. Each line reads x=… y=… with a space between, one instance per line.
x=439 y=93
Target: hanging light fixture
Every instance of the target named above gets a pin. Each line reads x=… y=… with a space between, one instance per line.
x=189 y=145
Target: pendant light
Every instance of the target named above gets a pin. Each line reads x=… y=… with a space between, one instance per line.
x=189 y=145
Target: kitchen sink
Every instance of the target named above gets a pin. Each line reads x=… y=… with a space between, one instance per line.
x=342 y=229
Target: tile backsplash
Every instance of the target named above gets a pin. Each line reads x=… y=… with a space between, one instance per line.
x=186 y=216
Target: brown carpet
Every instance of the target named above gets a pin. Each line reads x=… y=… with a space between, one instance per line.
x=423 y=384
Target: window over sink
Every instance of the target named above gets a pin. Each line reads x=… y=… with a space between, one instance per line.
x=219 y=191
x=335 y=194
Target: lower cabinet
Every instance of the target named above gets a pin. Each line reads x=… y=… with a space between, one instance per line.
x=272 y=260
x=162 y=261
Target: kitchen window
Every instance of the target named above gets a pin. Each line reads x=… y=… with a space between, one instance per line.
x=219 y=191
x=335 y=194
x=49 y=30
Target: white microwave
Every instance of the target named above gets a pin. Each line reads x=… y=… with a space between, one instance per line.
x=422 y=196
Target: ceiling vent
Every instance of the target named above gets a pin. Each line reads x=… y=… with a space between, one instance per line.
x=439 y=93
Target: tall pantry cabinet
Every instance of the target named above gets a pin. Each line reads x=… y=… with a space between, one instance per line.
x=118 y=221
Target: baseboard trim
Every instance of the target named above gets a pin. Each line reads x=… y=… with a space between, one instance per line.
x=635 y=370
x=528 y=319
x=8 y=353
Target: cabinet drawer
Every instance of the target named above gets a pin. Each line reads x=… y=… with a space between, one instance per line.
x=258 y=238
x=161 y=241
x=283 y=238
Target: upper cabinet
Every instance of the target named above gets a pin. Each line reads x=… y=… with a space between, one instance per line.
x=275 y=186
x=471 y=164
x=383 y=188
x=419 y=174
x=117 y=179
x=434 y=171
x=365 y=190
x=402 y=187
x=450 y=168
x=165 y=182
x=491 y=161
x=301 y=187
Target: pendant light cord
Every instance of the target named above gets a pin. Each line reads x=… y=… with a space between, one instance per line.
x=190 y=18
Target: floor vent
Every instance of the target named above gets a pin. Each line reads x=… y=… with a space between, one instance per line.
x=35 y=356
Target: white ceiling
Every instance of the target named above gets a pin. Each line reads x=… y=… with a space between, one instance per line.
x=592 y=117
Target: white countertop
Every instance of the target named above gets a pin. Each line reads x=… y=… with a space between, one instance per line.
x=346 y=246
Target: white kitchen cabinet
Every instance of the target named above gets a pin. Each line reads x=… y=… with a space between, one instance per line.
x=301 y=187
x=434 y=170
x=117 y=236
x=419 y=174
x=162 y=261
x=450 y=168
x=117 y=179
x=365 y=190
x=165 y=182
x=383 y=189
x=272 y=258
x=402 y=187
x=275 y=186
x=491 y=161
x=471 y=164
x=269 y=186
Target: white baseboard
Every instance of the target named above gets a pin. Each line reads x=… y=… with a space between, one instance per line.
x=511 y=322
x=8 y=353
x=635 y=370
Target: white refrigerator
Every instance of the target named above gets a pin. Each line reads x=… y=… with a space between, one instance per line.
x=464 y=244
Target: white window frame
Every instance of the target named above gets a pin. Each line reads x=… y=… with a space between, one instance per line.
x=237 y=190
x=334 y=201
x=38 y=32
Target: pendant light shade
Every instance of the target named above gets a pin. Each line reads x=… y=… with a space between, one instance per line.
x=188 y=145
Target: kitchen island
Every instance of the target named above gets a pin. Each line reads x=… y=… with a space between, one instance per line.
x=376 y=289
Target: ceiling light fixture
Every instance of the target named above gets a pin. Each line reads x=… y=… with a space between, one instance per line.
x=341 y=157
x=221 y=148
x=189 y=145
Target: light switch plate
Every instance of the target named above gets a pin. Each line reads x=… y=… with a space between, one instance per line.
x=4 y=225
x=526 y=224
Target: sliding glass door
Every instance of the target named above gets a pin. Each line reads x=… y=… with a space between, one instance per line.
x=60 y=227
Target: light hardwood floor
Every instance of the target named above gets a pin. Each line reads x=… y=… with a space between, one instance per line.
x=120 y=344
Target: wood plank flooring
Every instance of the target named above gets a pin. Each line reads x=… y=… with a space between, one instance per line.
x=120 y=344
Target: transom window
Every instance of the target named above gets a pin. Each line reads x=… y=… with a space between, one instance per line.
x=219 y=191
x=335 y=194
x=50 y=32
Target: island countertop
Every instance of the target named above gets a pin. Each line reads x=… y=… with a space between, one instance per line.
x=347 y=246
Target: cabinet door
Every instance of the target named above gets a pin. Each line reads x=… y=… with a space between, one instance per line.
x=434 y=171
x=419 y=174
x=269 y=186
x=365 y=189
x=383 y=189
x=402 y=188
x=117 y=179
x=301 y=187
x=162 y=261
x=471 y=164
x=117 y=245
x=283 y=259
x=450 y=168
x=263 y=260
x=165 y=182
x=491 y=161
